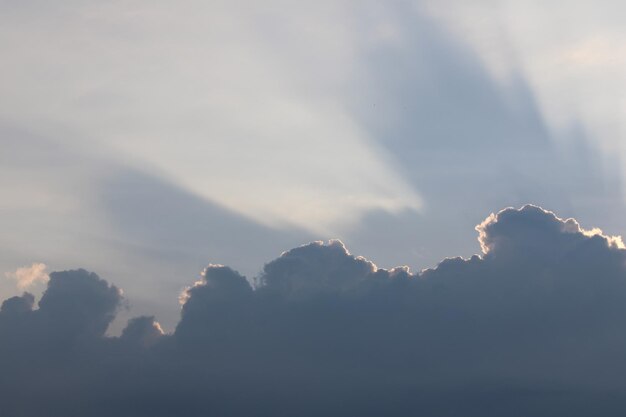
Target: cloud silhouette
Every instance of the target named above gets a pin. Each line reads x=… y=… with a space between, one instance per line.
x=533 y=326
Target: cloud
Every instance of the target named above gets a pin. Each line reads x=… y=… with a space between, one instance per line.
x=500 y=150
x=533 y=326
x=76 y=305
x=29 y=275
x=255 y=88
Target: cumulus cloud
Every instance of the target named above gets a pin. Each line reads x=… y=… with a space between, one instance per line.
x=533 y=326
x=29 y=275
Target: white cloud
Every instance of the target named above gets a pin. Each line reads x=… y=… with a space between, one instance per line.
x=28 y=276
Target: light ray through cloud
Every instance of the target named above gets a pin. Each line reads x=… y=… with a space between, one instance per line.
x=263 y=135
x=572 y=56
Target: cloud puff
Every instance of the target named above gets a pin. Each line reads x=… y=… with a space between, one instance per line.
x=533 y=326
x=29 y=275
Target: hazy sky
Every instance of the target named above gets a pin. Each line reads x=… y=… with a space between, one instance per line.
x=328 y=208
x=143 y=140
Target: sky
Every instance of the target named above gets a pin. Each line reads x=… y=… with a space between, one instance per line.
x=142 y=141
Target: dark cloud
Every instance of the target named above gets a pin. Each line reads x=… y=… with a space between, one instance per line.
x=534 y=326
x=173 y=238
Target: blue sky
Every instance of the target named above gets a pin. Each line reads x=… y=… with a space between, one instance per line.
x=144 y=140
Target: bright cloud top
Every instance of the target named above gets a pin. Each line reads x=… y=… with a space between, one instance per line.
x=28 y=276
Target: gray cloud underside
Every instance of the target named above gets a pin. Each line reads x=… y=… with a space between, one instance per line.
x=535 y=326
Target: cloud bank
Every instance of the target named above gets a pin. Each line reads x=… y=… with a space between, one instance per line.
x=533 y=326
